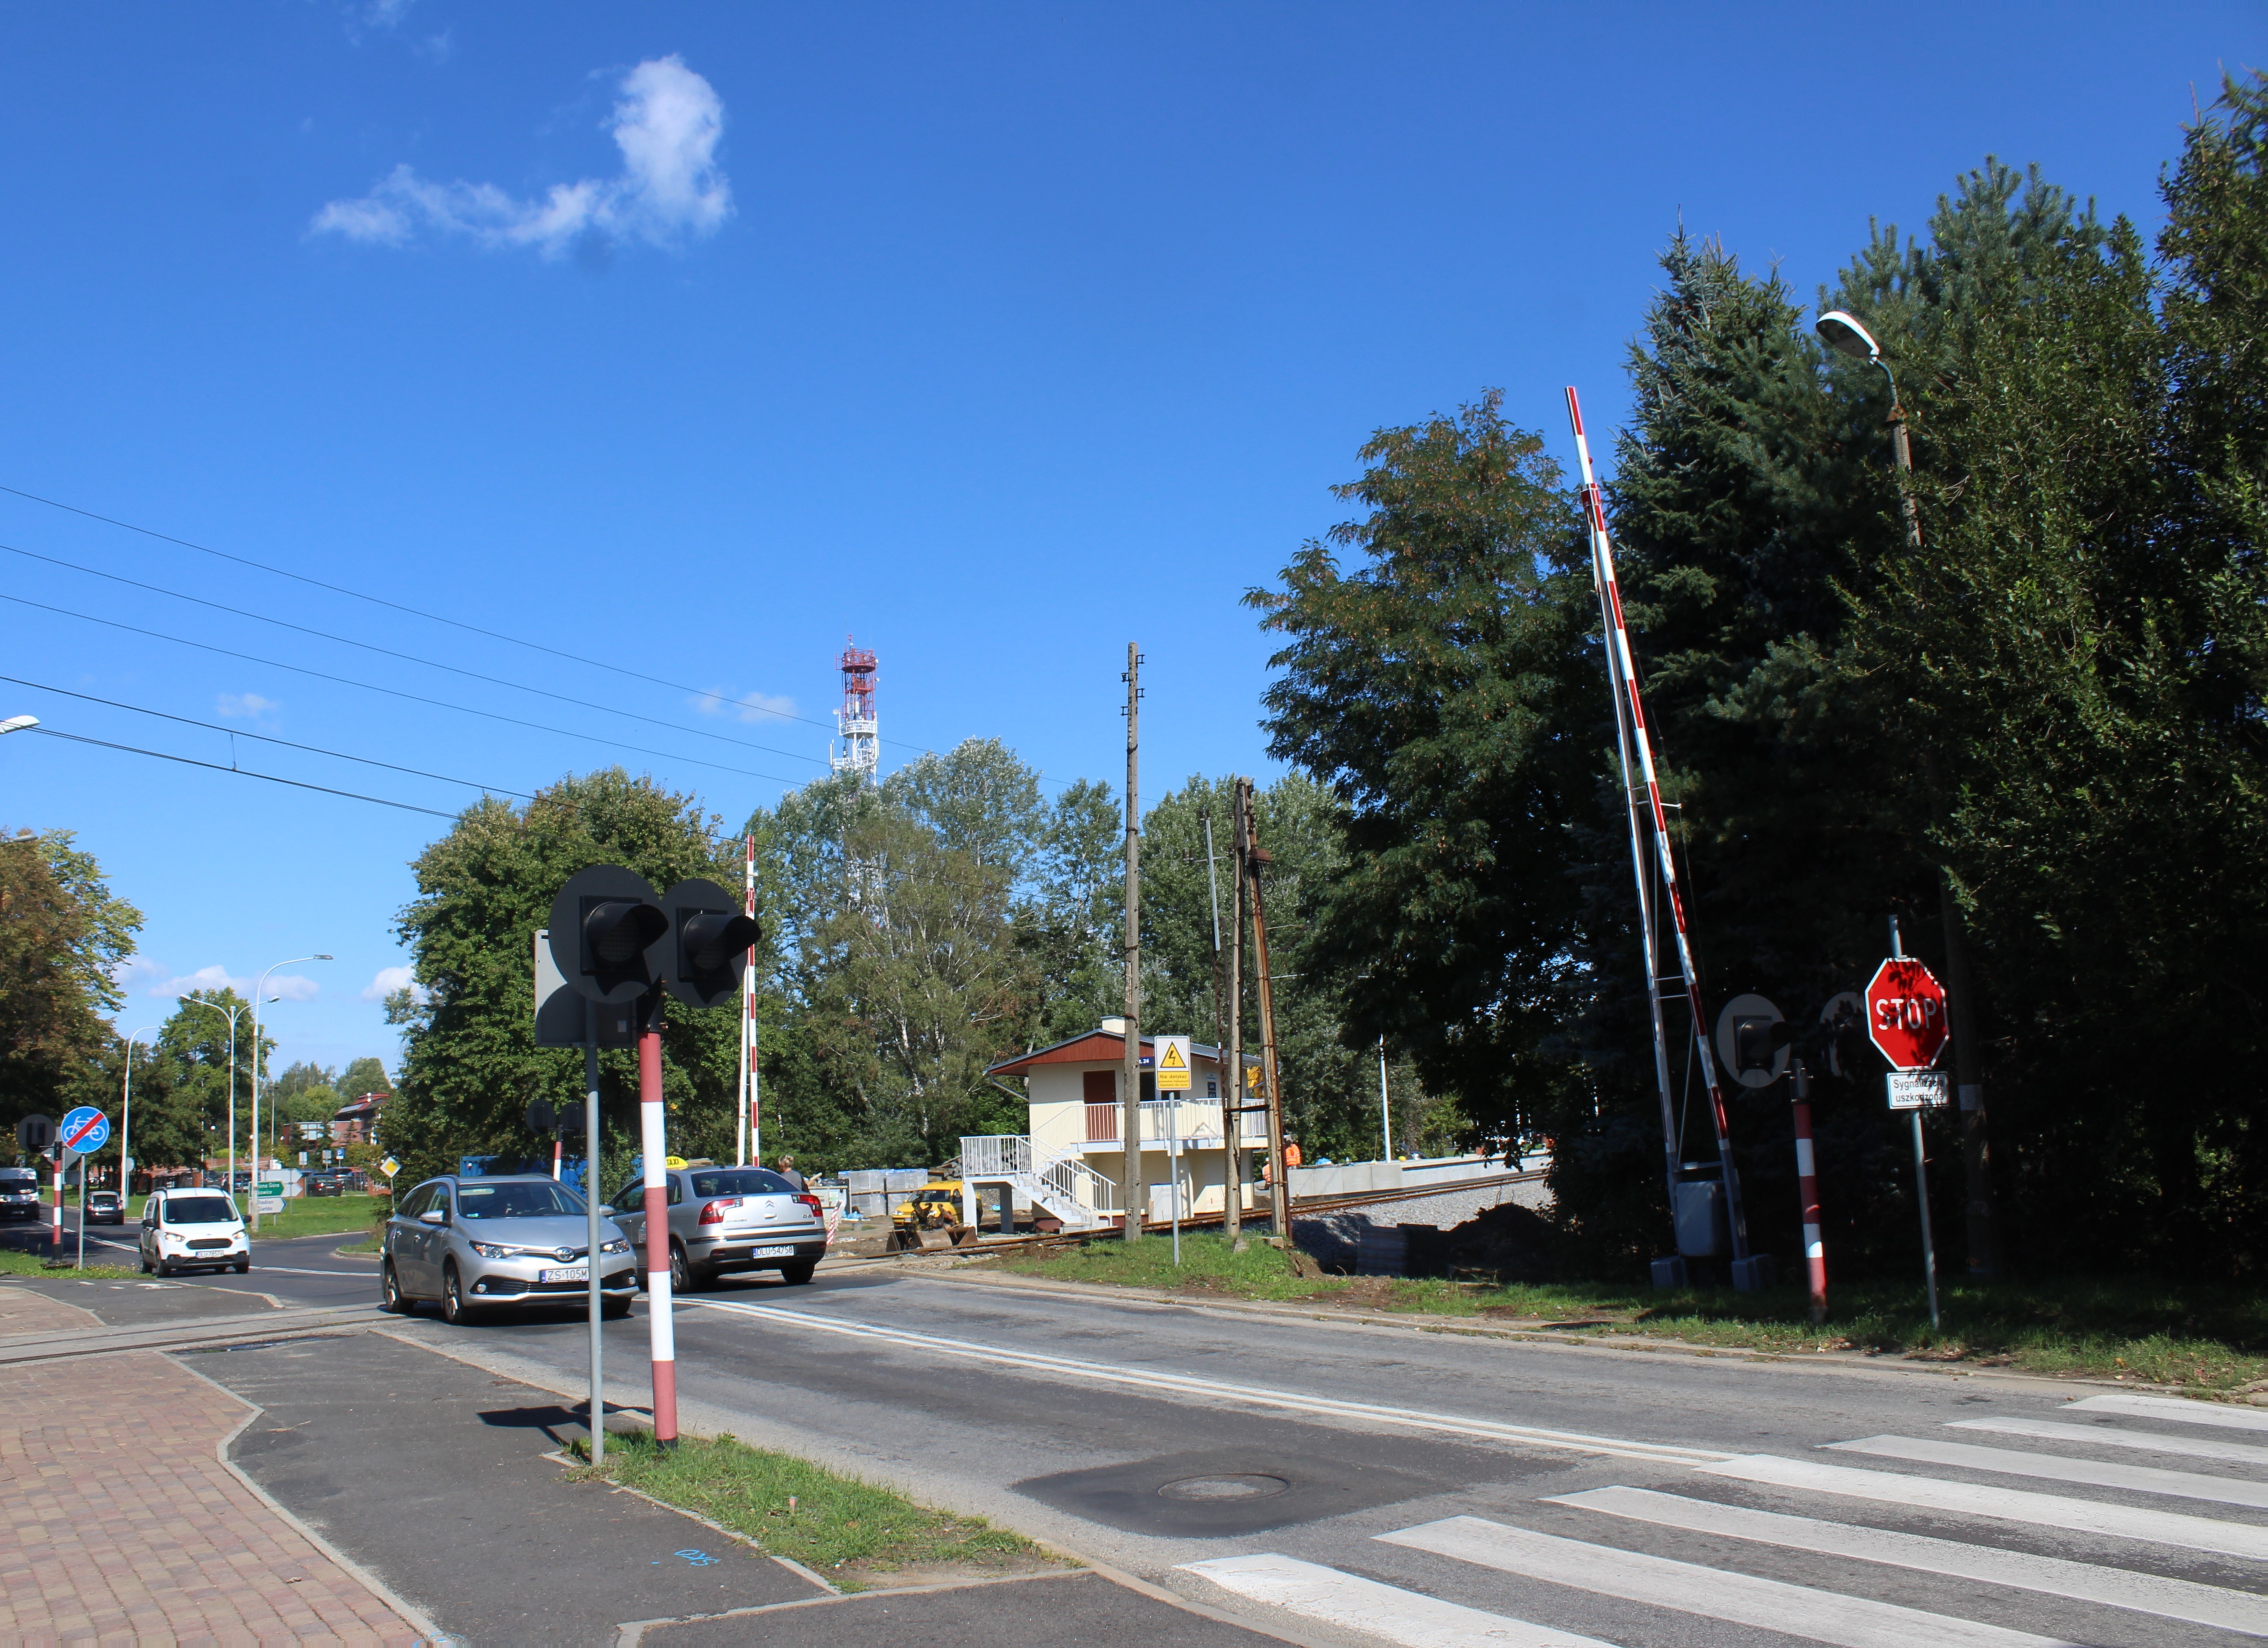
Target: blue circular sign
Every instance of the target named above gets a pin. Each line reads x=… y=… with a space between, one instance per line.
x=85 y=1130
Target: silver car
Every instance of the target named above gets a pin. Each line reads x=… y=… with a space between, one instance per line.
x=729 y=1219
x=479 y=1244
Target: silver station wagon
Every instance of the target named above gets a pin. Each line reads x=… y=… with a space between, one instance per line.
x=476 y=1245
x=729 y=1219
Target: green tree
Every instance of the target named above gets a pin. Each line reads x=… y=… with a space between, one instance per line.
x=63 y=935
x=471 y=1064
x=1439 y=688
x=362 y=1076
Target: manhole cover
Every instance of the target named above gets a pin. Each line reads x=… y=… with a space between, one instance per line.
x=1216 y=1487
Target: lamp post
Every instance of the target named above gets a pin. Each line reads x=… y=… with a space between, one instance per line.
x=1841 y=331
x=198 y=1001
x=126 y=1120
x=257 y=991
x=19 y=724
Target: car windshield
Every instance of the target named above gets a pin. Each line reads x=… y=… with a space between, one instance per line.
x=104 y=1198
x=741 y=1182
x=199 y=1210
x=531 y=1199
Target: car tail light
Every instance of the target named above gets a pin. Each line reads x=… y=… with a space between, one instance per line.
x=714 y=1212
x=811 y=1202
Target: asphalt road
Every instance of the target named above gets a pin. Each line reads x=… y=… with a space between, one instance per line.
x=1350 y=1482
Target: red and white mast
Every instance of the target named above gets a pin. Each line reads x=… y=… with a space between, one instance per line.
x=861 y=731
x=1637 y=745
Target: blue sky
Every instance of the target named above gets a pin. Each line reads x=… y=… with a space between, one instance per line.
x=697 y=337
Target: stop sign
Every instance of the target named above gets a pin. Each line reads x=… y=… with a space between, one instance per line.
x=1906 y=1014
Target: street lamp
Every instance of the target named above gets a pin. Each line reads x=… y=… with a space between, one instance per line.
x=198 y=1001
x=1841 y=331
x=257 y=991
x=19 y=724
x=126 y=1122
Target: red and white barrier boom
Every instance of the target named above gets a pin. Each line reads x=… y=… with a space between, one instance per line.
x=1640 y=783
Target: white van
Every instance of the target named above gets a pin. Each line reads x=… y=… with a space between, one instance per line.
x=191 y=1230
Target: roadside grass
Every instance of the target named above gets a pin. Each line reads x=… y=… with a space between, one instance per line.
x=14 y=1262
x=851 y=1530
x=2209 y=1339
x=320 y=1216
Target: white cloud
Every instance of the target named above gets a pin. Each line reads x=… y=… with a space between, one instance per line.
x=291 y=987
x=388 y=980
x=752 y=706
x=667 y=124
x=246 y=706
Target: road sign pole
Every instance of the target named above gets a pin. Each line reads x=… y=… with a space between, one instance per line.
x=56 y=1226
x=81 y=1262
x=1921 y=1168
x=653 y=1141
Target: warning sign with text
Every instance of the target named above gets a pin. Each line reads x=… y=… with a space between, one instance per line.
x=1173 y=1063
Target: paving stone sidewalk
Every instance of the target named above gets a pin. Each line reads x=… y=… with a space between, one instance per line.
x=122 y=1524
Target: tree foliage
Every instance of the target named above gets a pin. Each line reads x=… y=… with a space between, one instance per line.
x=63 y=935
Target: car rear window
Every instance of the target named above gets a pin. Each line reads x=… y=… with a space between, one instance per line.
x=528 y=1200
x=741 y=1182
x=199 y=1210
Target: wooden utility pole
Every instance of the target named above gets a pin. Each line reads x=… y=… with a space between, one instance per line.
x=1131 y=1096
x=1232 y=1071
x=1255 y=859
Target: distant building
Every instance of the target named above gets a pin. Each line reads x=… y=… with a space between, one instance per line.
x=356 y=1122
x=1073 y=1158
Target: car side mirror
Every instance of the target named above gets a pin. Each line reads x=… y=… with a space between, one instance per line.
x=432 y=1216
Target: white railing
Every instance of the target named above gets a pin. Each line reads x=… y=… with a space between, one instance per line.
x=1043 y=1171
x=1200 y=1121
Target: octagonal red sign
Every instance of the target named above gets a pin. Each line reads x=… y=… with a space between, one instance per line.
x=1906 y=1014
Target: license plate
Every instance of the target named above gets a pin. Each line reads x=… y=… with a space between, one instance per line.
x=771 y=1253
x=565 y=1273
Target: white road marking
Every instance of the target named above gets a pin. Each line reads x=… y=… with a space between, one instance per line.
x=2056 y=1468
x=2103 y=1436
x=1405 y=1617
x=2006 y=1504
x=1158 y=1381
x=2082 y=1582
x=2180 y=1411
x=279 y=1269
x=1774 y=1605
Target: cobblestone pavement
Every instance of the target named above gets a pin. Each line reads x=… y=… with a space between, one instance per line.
x=122 y=1524
x=25 y=1310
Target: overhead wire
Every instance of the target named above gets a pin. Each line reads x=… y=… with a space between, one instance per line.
x=391 y=692
x=237 y=732
x=408 y=658
x=243 y=772
x=415 y=612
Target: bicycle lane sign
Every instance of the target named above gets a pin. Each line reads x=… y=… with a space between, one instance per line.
x=85 y=1130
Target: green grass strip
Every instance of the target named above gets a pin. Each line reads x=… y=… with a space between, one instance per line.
x=2210 y=1339
x=839 y=1526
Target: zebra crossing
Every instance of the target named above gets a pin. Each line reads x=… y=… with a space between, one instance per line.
x=2161 y=1516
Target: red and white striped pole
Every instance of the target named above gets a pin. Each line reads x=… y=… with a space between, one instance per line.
x=654 y=1143
x=746 y=1119
x=1625 y=666
x=1807 y=1190
x=55 y=1231
x=557 y=1145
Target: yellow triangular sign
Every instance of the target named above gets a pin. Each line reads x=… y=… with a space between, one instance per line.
x=1172 y=1059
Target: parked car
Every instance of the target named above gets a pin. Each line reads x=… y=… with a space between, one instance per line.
x=323 y=1184
x=193 y=1230
x=512 y=1241
x=19 y=1193
x=105 y=1207
x=729 y=1219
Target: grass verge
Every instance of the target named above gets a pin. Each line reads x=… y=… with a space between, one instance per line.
x=853 y=1532
x=320 y=1216
x=24 y=1264
x=2209 y=1340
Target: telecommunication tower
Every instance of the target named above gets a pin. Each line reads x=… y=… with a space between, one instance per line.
x=861 y=732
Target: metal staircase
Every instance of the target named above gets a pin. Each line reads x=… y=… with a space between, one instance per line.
x=1064 y=1185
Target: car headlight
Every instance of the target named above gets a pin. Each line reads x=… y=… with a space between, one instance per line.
x=616 y=1246
x=489 y=1250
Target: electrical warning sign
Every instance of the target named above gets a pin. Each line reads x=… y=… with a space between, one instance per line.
x=1172 y=1064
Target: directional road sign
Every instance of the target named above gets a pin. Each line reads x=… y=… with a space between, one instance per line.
x=1173 y=1063
x=1906 y=1014
x=35 y=1133
x=85 y=1130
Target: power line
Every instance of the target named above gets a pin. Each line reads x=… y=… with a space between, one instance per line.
x=391 y=692
x=243 y=772
x=406 y=658
x=379 y=600
x=237 y=732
